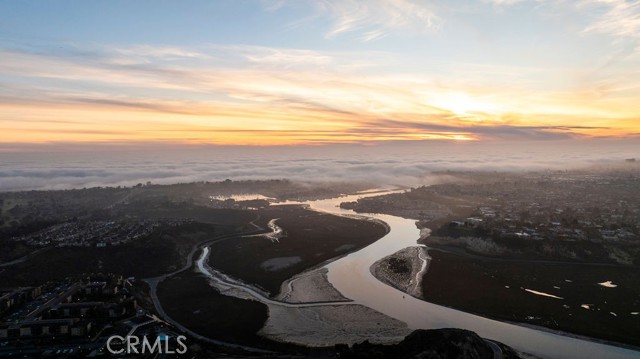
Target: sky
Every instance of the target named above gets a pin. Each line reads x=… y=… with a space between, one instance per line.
x=107 y=74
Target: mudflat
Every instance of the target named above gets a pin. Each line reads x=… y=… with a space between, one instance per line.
x=309 y=238
x=573 y=298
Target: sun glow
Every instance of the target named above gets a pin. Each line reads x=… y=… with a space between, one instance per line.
x=372 y=76
x=461 y=103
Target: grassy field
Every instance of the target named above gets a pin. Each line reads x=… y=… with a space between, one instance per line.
x=496 y=289
x=311 y=238
x=190 y=300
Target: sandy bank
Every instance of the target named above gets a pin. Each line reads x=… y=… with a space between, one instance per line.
x=403 y=270
x=312 y=286
x=330 y=325
x=310 y=320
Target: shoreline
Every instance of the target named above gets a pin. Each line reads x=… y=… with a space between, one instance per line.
x=404 y=230
x=319 y=266
x=545 y=329
x=403 y=270
x=292 y=322
x=311 y=284
x=425 y=233
x=568 y=334
x=378 y=272
x=461 y=290
x=322 y=341
x=308 y=303
x=310 y=240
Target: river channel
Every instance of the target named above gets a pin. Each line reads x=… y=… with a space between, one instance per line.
x=351 y=276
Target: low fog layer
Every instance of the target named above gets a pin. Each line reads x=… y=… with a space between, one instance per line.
x=408 y=164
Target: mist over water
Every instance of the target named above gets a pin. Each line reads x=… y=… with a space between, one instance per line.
x=381 y=164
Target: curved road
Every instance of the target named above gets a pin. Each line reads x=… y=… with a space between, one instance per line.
x=154 y=281
x=497 y=351
x=229 y=282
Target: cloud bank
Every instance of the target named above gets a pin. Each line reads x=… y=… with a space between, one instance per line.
x=389 y=164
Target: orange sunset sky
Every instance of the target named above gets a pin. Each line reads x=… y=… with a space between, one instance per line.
x=316 y=72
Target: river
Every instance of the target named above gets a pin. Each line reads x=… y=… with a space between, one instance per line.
x=351 y=276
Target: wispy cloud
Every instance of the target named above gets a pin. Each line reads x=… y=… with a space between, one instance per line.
x=215 y=93
x=287 y=57
x=618 y=18
x=373 y=35
x=503 y=2
x=375 y=19
x=504 y=132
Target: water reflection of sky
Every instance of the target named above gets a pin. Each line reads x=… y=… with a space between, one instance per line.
x=352 y=277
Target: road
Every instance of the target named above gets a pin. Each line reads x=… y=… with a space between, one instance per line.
x=162 y=314
x=497 y=351
x=154 y=281
x=227 y=281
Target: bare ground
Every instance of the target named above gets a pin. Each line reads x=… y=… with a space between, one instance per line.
x=312 y=286
x=329 y=325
